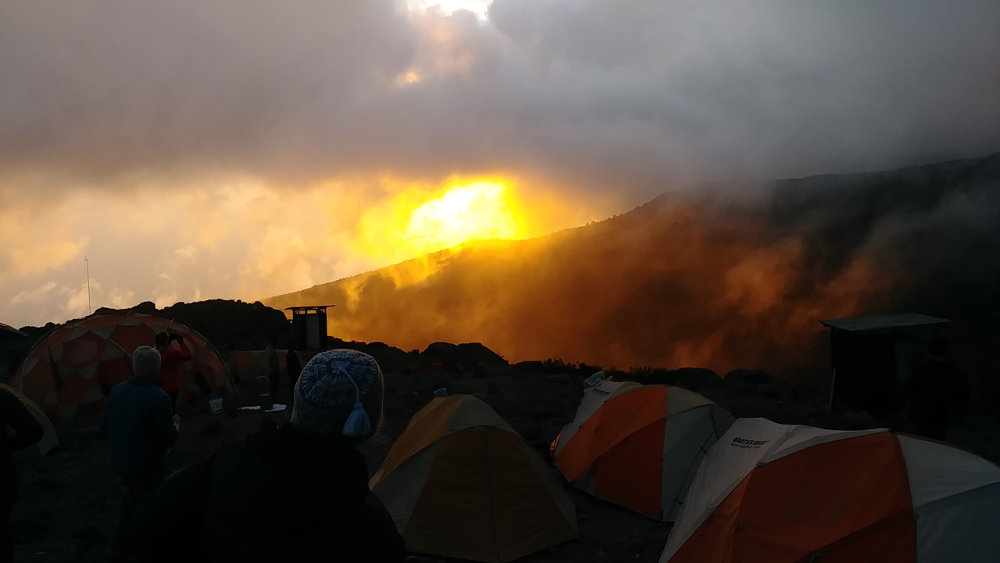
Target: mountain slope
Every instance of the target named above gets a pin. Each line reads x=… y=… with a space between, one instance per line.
x=722 y=277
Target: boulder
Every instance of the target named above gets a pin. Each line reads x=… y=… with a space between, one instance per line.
x=696 y=379
x=747 y=381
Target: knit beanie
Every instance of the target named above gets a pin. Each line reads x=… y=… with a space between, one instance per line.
x=146 y=362
x=339 y=392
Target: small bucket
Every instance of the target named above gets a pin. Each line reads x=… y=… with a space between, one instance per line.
x=215 y=405
x=266 y=402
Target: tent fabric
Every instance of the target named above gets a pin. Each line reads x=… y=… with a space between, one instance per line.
x=50 y=439
x=7 y=330
x=248 y=365
x=638 y=445
x=774 y=492
x=460 y=482
x=70 y=370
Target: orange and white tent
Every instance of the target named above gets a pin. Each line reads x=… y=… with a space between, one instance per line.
x=774 y=492
x=460 y=482
x=638 y=445
x=70 y=370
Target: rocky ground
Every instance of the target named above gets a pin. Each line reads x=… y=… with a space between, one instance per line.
x=70 y=499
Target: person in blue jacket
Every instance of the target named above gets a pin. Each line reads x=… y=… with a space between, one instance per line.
x=140 y=424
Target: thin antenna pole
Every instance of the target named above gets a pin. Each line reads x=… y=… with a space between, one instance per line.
x=90 y=308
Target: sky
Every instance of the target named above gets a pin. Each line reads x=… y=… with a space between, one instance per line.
x=181 y=151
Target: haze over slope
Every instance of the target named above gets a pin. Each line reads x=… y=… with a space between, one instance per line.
x=186 y=150
x=722 y=277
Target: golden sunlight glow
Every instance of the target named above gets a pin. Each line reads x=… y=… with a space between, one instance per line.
x=246 y=239
x=464 y=212
x=478 y=7
x=407 y=78
x=414 y=218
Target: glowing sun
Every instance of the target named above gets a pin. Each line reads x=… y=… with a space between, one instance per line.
x=479 y=210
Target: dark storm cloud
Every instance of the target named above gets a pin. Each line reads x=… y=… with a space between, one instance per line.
x=774 y=88
x=587 y=94
x=111 y=86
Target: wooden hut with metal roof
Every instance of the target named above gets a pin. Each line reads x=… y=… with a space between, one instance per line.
x=872 y=355
x=309 y=326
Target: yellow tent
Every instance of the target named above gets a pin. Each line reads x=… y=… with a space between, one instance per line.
x=460 y=482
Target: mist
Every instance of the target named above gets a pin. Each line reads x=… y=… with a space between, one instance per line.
x=696 y=278
x=240 y=149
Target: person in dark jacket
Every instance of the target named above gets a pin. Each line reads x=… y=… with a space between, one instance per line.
x=273 y=371
x=172 y=359
x=140 y=424
x=292 y=493
x=18 y=429
x=293 y=367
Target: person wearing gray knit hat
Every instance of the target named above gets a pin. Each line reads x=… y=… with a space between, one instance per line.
x=146 y=362
x=339 y=392
x=318 y=505
x=140 y=426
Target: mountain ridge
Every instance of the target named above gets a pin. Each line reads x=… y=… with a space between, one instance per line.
x=709 y=277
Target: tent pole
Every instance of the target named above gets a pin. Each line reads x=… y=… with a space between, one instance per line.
x=90 y=308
